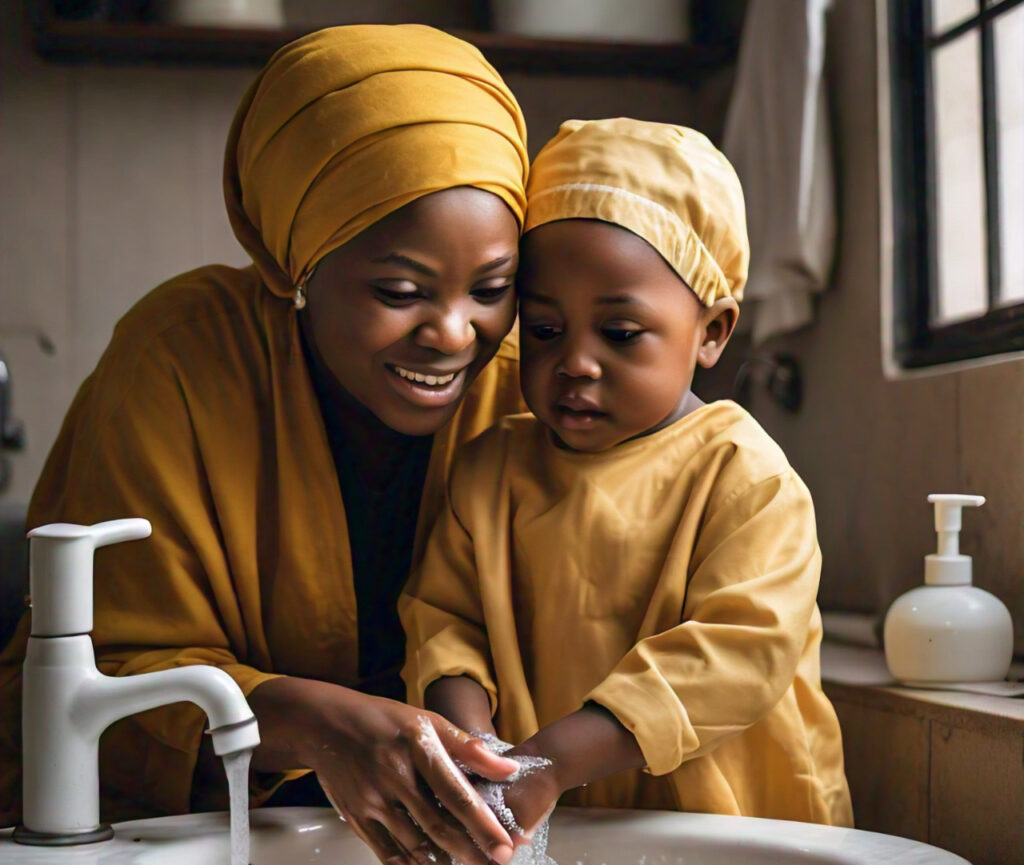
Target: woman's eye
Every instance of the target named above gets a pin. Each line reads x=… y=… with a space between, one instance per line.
x=492 y=293
x=542 y=331
x=395 y=296
x=621 y=334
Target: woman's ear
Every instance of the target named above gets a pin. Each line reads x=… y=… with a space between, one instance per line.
x=718 y=322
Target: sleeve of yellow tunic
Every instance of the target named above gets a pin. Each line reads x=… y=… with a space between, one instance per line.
x=749 y=598
x=171 y=600
x=442 y=614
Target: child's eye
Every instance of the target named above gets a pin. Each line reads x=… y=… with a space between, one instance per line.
x=542 y=331
x=491 y=294
x=621 y=334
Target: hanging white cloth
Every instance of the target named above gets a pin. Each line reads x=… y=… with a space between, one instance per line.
x=777 y=137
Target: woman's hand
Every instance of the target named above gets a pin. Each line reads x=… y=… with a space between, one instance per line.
x=382 y=764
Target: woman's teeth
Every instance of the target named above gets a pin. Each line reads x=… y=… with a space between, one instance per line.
x=421 y=378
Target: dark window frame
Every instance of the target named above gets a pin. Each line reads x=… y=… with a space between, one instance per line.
x=916 y=340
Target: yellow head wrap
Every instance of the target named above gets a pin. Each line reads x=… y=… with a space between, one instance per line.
x=348 y=124
x=667 y=184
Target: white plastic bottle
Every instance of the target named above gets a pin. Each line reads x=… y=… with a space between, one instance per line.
x=947 y=630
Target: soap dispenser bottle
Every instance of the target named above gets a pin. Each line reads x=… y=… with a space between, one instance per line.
x=947 y=630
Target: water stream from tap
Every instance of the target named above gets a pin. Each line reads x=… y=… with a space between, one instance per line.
x=237 y=768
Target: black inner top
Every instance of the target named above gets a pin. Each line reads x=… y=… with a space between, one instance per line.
x=381 y=473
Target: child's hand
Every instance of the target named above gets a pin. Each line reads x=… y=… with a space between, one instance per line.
x=531 y=799
x=582 y=747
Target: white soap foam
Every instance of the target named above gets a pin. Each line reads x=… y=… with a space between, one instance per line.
x=493 y=794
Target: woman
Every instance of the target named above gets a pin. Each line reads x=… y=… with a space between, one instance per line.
x=287 y=428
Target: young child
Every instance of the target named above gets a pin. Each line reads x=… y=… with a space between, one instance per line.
x=626 y=579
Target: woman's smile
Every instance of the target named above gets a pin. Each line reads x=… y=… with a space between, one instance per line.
x=432 y=389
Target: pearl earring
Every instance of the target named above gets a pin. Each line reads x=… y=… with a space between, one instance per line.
x=300 y=298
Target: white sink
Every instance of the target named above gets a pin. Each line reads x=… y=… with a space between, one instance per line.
x=579 y=836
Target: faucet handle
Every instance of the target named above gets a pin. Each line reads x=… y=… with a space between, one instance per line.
x=115 y=531
x=109 y=532
x=60 y=572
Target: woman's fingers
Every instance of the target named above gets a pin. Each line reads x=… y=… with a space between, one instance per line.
x=473 y=754
x=409 y=836
x=442 y=830
x=382 y=843
x=458 y=797
x=390 y=844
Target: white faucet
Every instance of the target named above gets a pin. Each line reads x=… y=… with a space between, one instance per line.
x=67 y=703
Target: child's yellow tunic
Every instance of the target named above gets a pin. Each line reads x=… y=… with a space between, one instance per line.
x=672 y=580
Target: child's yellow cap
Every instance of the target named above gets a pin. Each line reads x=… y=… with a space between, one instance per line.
x=668 y=184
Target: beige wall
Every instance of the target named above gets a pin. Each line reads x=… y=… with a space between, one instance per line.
x=872 y=449
x=110 y=182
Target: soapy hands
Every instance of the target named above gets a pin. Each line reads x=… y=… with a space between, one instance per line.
x=531 y=798
x=385 y=767
x=582 y=747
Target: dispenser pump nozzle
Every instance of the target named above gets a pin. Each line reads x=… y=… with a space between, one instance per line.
x=946 y=567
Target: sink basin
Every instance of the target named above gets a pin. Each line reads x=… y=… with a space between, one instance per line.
x=579 y=836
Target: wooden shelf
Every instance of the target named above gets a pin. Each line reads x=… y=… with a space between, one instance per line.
x=134 y=43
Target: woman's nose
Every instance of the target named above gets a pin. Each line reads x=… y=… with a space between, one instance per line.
x=450 y=331
x=578 y=362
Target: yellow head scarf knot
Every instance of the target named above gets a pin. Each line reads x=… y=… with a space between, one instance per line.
x=348 y=124
x=667 y=184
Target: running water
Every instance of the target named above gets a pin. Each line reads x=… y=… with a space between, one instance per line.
x=237 y=768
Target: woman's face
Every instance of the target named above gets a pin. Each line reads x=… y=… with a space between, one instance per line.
x=407 y=313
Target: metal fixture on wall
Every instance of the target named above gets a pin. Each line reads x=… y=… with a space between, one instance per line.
x=12 y=431
x=778 y=374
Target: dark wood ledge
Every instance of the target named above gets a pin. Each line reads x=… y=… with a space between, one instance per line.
x=134 y=43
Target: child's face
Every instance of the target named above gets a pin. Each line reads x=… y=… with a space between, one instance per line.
x=610 y=334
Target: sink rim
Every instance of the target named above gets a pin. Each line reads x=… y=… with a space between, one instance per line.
x=842 y=844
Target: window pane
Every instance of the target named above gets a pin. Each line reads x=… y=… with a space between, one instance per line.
x=947 y=13
x=1009 y=48
x=962 y=289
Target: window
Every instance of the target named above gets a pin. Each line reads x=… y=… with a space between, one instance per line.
x=957 y=121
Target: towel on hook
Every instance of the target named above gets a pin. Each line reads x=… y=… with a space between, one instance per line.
x=778 y=139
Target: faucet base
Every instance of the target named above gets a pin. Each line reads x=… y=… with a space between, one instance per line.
x=32 y=838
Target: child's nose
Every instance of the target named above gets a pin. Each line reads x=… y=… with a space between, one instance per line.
x=579 y=362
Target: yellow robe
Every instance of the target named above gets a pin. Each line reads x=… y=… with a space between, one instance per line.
x=671 y=579
x=201 y=417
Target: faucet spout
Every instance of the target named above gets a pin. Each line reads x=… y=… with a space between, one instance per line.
x=102 y=700
x=67 y=703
